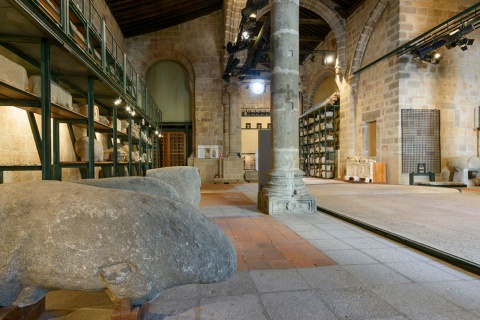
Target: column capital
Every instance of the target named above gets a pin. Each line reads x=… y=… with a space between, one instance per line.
x=233 y=89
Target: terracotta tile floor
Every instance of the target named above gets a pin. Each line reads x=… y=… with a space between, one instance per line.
x=264 y=243
x=224 y=199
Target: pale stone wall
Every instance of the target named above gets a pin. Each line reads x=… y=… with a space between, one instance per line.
x=377 y=95
x=197 y=45
x=17 y=146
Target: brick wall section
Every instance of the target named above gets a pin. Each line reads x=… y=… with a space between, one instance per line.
x=197 y=45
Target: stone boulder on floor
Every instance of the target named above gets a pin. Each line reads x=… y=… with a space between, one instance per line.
x=60 y=235
x=139 y=184
x=186 y=180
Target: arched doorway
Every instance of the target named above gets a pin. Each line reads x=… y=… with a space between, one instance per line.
x=168 y=83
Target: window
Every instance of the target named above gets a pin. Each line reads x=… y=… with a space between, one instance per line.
x=372 y=138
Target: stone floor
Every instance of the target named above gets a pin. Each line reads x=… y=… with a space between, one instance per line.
x=349 y=274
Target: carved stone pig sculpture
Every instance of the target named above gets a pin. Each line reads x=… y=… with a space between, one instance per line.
x=60 y=235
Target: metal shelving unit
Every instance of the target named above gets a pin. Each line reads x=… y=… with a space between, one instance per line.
x=67 y=41
x=319 y=142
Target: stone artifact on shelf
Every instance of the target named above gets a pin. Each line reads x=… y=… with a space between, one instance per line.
x=68 y=236
x=186 y=180
x=83 y=110
x=465 y=169
x=108 y=155
x=59 y=95
x=13 y=74
x=81 y=148
x=135 y=183
x=359 y=168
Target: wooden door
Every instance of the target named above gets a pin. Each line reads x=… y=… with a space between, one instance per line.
x=173 y=149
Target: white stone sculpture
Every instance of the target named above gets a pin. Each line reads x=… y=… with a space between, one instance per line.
x=359 y=168
x=81 y=147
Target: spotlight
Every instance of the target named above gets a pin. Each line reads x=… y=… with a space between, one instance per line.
x=245 y=35
x=463 y=43
x=329 y=59
x=128 y=108
x=156 y=132
x=433 y=57
x=143 y=122
x=133 y=113
x=257 y=87
x=118 y=101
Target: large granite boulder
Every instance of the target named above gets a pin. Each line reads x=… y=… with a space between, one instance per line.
x=60 y=235
x=186 y=180
x=139 y=184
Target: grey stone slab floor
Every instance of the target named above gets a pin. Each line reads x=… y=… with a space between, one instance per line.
x=374 y=279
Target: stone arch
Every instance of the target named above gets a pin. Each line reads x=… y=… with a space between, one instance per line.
x=366 y=32
x=324 y=75
x=155 y=56
x=334 y=20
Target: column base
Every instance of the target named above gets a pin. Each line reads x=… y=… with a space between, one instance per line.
x=278 y=204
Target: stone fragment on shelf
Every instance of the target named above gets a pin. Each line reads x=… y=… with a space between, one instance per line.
x=58 y=95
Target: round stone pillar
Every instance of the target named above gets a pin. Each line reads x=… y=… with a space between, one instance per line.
x=235 y=133
x=285 y=191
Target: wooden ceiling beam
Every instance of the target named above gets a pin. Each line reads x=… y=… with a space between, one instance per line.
x=155 y=25
x=311 y=38
x=305 y=21
x=156 y=6
x=191 y=9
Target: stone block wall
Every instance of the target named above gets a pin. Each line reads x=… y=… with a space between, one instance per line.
x=450 y=86
x=197 y=45
x=207 y=168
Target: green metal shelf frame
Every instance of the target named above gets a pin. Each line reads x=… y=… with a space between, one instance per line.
x=147 y=110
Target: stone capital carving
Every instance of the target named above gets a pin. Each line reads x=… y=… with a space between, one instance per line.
x=233 y=89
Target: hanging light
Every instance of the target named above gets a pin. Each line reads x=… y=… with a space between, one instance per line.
x=156 y=132
x=143 y=121
x=133 y=113
x=128 y=108
x=257 y=87
x=118 y=101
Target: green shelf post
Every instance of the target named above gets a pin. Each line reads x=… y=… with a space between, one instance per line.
x=130 y=145
x=56 y=150
x=91 y=130
x=46 y=110
x=115 y=142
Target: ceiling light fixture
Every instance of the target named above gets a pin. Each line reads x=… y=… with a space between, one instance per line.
x=258 y=87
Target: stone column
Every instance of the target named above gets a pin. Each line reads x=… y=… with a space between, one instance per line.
x=285 y=191
x=233 y=164
x=235 y=134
